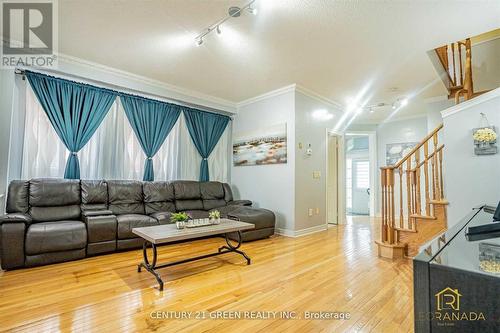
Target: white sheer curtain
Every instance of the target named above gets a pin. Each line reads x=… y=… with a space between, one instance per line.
x=113 y=152
x=190 y=159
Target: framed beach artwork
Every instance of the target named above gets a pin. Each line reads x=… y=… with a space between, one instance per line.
x=265 y=145
x=396 y=151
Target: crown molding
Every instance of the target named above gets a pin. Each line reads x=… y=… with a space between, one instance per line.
x=272 y=93
x=292 y=87
x=471 y=102
x=305 y=91
x=191 y=96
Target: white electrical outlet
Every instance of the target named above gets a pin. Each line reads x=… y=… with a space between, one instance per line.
x=310 y=212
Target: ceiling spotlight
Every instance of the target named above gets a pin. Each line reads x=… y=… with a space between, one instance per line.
x=404 y=102
x=199 y=42
x=252 y=11
x=218 y=30
x=371 y=110
x=394 y=107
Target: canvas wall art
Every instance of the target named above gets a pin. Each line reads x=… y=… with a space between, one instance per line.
x=267 y=145
x=396 y=151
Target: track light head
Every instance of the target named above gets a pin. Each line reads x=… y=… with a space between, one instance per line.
x=252 y=11
x=199 y=42
x=218 y=30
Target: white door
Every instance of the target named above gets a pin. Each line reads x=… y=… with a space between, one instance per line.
x=360 y=186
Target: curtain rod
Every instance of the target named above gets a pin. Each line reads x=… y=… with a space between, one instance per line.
x=127 y=91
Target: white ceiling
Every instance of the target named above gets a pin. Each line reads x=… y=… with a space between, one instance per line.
x=338 y=49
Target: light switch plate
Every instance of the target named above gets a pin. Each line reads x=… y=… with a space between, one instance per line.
x=310 y=212
x=316 y=174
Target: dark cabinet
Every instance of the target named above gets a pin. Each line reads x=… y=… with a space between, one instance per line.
x=457 y=282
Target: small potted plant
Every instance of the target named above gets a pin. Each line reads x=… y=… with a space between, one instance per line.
x=214 y=216
x=179 y=219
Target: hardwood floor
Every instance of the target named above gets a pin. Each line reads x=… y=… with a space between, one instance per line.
x=335 y=270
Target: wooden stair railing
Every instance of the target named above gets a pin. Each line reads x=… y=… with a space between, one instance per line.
x=453 y=57
x=416 y=181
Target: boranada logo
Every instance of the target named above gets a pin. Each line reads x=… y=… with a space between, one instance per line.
x=448 y=312
x=29 y=33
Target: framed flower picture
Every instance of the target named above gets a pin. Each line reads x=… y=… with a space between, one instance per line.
x=485 y=139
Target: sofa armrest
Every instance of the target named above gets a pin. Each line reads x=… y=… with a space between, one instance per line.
x=240 y=203
x=88 y=213
x=15 y=218
x=12 y=234
x=100 y=228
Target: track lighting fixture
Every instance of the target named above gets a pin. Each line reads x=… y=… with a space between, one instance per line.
x=232 y=13
x=252 y=11
x=399 y=103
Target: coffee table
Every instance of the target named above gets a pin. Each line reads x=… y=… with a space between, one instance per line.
x=162 y=234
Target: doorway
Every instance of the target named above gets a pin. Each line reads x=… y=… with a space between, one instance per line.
x=334 y=180
x=360 y=167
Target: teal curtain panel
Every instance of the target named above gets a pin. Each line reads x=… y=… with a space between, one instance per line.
x=205 y=130
x=151 y=121
x=74 y=109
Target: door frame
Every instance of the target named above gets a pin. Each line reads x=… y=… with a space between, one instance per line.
x=341 y=210
x=372 y=153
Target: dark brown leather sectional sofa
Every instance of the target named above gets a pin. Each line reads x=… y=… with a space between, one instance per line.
x=55 y=220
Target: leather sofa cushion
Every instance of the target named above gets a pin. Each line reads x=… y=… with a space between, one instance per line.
x=212 y=204
x=187 y=190
x=158 y=191
x=55 y=236
x=197 y=214
x=17 y=197
x=211 y=190
x=261 y=218
x=125 y=197
x=182 y=205
x=94 y=192
x=46 y=192
x=129 y=221
x=162 y=217
x=158 y=197
x=56 y=213
x=228 y=193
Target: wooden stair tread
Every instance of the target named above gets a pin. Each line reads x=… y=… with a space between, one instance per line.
x=424 y=217
x=405 y=230
x=439 y=202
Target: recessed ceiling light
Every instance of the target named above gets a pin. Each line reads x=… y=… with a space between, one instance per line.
x=404 y=102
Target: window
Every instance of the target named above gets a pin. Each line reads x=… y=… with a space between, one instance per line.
x=362 y=174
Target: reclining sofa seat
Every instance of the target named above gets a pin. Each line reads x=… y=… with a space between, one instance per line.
x=55 y=220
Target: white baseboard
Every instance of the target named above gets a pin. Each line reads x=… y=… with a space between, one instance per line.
x=302 y=232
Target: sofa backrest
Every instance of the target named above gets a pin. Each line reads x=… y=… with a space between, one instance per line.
x=94 y=194
x=158 y=197
x=17 y=197
x=187 y=195
x=212 y=195
x=49 y=199
x=54 y=199
x=125 y=197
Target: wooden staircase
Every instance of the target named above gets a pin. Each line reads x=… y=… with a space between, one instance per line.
x=456 y=61
x=413 y=203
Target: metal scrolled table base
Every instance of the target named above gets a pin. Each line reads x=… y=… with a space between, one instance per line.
x=153 y=266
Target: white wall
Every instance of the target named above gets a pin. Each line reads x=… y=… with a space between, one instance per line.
x=268 y=186
x=485 y=65
x=470 y=180
x=310 y=192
